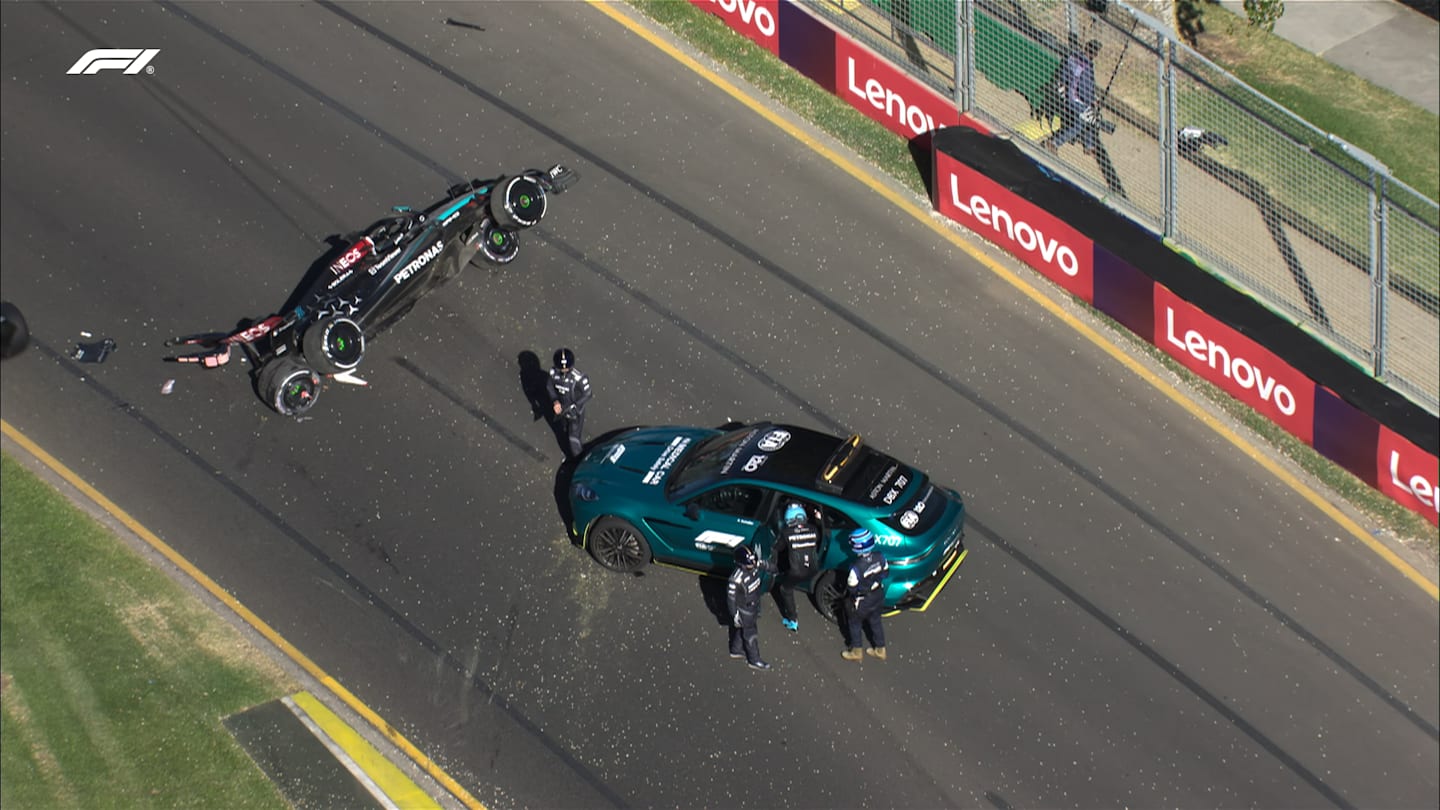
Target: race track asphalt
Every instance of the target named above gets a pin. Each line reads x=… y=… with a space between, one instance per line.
x=1147 y=616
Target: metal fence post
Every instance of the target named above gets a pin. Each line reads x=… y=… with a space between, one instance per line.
x=1379 y=267
x=965 y=56
x=1169 y=148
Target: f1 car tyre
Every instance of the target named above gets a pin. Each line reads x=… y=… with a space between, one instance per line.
x=14 y=332
x=517 y=202
x=288 y=386
x=618 y=546
x=333 y=345
x=829 y=597
x=497 y=244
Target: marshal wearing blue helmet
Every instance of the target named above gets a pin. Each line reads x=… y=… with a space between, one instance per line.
x=864 y=597
x=798 y=546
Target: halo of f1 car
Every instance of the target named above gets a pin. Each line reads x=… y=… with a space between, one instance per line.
x=375 y=281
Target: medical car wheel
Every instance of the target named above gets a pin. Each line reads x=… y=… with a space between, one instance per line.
x=617 y=545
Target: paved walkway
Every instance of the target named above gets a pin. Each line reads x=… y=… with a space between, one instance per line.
x=1390 y=44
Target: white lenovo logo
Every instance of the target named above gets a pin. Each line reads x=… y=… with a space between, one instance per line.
x=130 y=60
x=751 y=13
x=1244 y=373
x=1017 y=231
x=1418 y=485
x=889 y=102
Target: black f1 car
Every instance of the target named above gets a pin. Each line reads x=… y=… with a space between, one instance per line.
x=374 y=282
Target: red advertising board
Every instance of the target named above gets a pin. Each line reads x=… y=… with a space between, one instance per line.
x=882 y=92
x=1408 y=474
x=1245 y=369
x=757 y=20
x=1061 y=253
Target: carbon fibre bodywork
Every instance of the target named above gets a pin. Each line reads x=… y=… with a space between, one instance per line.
x=374 y=280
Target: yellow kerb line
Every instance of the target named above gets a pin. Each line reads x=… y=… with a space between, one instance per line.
x=243 y=612
x=395 y=788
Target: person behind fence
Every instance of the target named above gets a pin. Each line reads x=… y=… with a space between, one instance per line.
x=798 y=540
x=865 y=597
x=1075 y=84
x=742 y=598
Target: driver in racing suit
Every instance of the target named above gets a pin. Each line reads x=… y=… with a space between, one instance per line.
x=570 y=392
x=742 y=598
x=798 y=541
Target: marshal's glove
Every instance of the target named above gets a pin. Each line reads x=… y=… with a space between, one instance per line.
x=1088 y=115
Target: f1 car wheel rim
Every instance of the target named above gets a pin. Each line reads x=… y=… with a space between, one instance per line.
x=344 y=343
x=498 y=244
x=297 y=392
x=618 y=547
x=518 y=202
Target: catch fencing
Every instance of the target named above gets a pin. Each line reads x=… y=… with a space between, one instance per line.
x=1307 y=224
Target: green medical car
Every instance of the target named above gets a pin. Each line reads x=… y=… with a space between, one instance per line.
x=685 y=497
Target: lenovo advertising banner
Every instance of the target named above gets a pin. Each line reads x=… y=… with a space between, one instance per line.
x=1061 y=253
x=886 y=94
x=1220 y=354
x=1244 y=368
x=1408 y=474
x=756 y=20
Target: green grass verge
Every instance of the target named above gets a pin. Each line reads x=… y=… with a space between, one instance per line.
x=796 y=93
x=1402 y=135
x=113 y=680
x=890 y=155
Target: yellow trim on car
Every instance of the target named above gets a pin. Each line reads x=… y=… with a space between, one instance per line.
x=954 y=566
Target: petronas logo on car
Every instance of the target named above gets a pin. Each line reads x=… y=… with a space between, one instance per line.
x=420 y=261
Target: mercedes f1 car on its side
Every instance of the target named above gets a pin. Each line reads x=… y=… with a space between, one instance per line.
x=375 y=281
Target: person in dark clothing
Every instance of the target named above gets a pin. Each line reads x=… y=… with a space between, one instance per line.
x=865 y=597
x=742 y=598
x=1075 y=83
x=798 y=544
x=569 y=390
